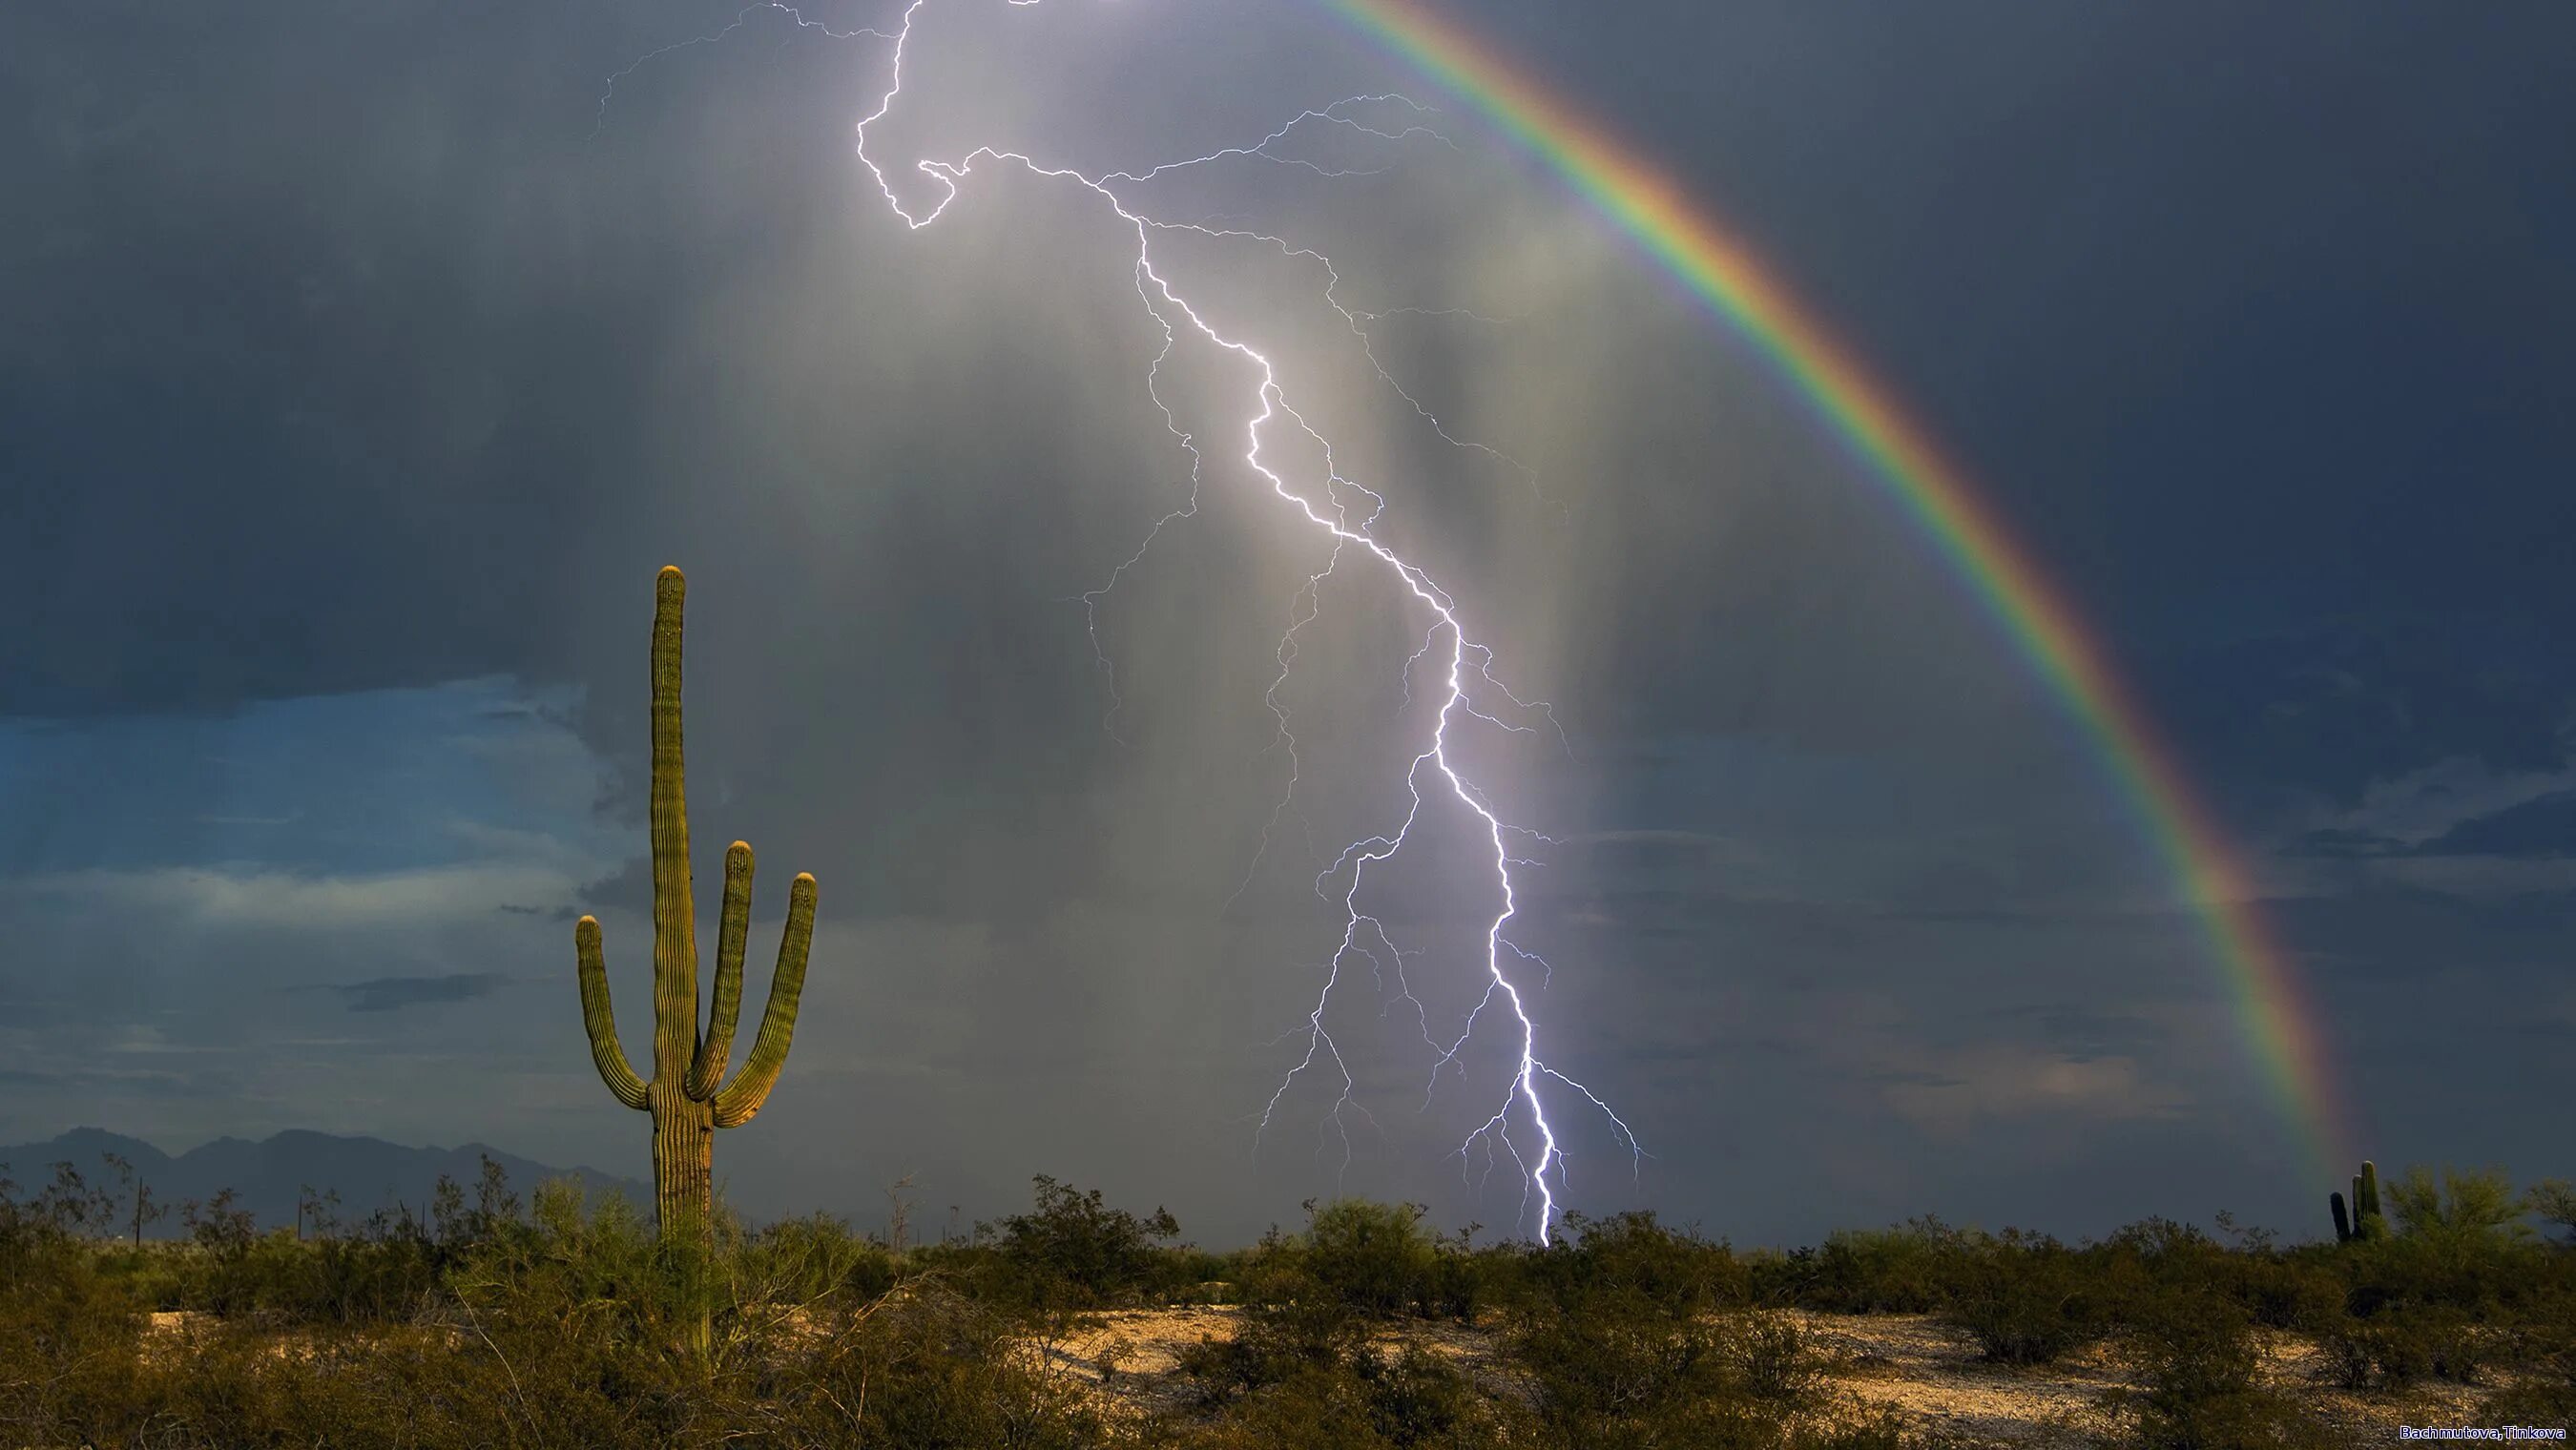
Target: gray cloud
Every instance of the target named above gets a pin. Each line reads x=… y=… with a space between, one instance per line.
x=2339 y=707
x=392 y=994
x=2543 y=828
x=2342 y=843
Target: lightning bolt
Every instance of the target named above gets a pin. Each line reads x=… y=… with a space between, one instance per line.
x=1343 y=513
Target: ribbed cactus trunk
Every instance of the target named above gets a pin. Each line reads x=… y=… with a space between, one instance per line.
x=687 y=1097
x=684 y=1137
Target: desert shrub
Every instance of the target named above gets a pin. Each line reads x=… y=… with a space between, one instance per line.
x=1373 y=1257
x=39 y=1238
x=1635 y=1334
x=2026 y=1299
x=1073 y=1251
x=2402 y=1343
x=2194 y=1351
x=1302 y=1338
x=69 y=1337
x=2553 y=1202
x=805 y=1261
x=1631 y=1254
x=2539 y=1345
x=1187 y=1274
x=2473 y=1207
x=1769 y=1357
x=1408 y=1399
x=379 y=1271
x=928 y=1368
x=2532 y=1402
x=2143 y=1264
x=2287 y=1290
x=1288 y=1328
x=585 y=1273
x=1461 y=1279
x=2541 y=1341
x=1415 y=1397
x=2459 y=1244
x=1902 y=1270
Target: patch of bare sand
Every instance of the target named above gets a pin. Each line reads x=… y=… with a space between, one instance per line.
x=172 y=1335
x=1930 y=1375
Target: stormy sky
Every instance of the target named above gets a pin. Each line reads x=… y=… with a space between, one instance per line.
x=359 y=365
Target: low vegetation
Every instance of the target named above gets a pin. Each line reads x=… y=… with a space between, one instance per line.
x=559 y=1322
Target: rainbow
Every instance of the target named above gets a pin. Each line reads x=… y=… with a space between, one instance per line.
x=2271 y=1009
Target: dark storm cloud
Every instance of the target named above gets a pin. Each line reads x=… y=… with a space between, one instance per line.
x=2541 y=829
x=281 y=374
x=2343 y=843
x=2513 y=943
x=392 y=994
x=2335 y=709
x=550 y=912
x=2084 y=1034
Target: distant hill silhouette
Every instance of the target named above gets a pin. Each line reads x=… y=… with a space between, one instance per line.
x=267 y=1177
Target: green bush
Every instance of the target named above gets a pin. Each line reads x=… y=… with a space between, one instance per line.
x=1411 y=1399
x=1461 y=1279
x=2287 y=1291
x=2194 y=1353
x=2026 y=1299
x=1902 y=1270
x=1288 y=1327
x=1633 y=1334
x=1073 y=1251
x=1373 y=1257
x=2553 y=1202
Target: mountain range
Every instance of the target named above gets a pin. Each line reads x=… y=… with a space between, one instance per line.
x=269 y=1177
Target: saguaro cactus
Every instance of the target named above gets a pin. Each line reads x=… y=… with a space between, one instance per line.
x=2364 y=1220
x=687 y=1095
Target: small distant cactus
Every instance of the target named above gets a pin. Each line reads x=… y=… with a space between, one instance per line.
x=2364 y=1220
x=687 y=1095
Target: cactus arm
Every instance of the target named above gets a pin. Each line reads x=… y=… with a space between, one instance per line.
x=599 y=1021
x=675 y=932
x=731 y=930
x=2342 y=1218
x=738 y=1102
